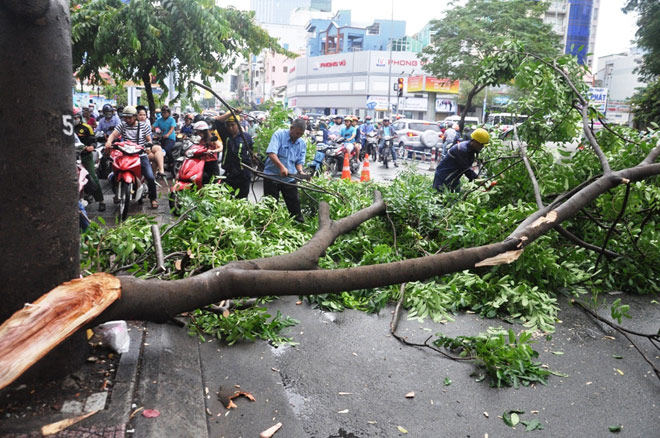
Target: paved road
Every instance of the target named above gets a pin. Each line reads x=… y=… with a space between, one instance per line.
x=348 y=377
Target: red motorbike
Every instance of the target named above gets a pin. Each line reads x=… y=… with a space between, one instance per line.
x=127 y=174
x=335 y=157
x=191 y=172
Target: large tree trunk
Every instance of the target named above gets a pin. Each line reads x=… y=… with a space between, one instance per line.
x=39 y=233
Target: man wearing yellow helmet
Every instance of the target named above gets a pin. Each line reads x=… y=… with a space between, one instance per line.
x=458 y=161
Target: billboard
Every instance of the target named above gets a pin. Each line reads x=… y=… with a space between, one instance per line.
x=432 y=85
x=598 y=98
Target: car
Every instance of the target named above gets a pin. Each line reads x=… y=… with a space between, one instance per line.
x=469 y=120
x=418 y=135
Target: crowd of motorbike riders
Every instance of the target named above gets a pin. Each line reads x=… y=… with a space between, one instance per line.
x=161 y=147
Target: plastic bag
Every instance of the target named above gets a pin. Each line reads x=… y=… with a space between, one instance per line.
x=114 y=334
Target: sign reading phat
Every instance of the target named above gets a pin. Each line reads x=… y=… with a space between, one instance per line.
x=432 y=85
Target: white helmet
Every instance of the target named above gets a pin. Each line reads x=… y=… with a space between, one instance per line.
x=201 y=126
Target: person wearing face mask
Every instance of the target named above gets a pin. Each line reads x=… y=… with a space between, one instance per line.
x=108 y=122
x=202 y=136
x=366 y=128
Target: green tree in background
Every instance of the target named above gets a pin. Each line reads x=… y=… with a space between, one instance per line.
x=647 y=100
x=145 y=39
x=468 y=33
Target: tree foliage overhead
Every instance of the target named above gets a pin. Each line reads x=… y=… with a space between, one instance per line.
x=648 y=34
x=647 y=100
x=143 y=39
x=469 y=33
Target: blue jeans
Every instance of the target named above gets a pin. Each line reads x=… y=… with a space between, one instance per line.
x=381 y=145
x=148 y=174
x=168 y=144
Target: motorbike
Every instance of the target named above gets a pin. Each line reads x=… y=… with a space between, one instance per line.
x=335 y=156
x=191 y=172
x=317 y=166
x=127 y=174
x=183 y=143
x=316 y=136
x=371 y=145
x=387 y=150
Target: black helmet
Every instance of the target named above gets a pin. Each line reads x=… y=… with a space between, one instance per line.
x=165 y=108
x=107 y=107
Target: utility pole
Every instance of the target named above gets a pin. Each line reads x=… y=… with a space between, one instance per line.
x=389 y=77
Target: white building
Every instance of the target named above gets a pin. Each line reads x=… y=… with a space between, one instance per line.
x=361 y=83
x=616 y=73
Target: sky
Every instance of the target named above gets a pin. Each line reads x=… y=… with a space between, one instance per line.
x=614 y=34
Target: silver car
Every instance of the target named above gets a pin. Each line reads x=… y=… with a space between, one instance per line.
x=418 y=135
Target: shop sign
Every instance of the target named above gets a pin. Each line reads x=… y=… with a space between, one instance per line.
x=598 y=98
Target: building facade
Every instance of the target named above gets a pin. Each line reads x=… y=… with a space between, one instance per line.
x=362 y=83
x=279 y=11
x=576 y=21
x=338 y=35
x=616 y=73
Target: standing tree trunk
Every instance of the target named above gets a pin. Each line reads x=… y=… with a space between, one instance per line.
x=39 y=233
x=468 y=104
x=146 y=80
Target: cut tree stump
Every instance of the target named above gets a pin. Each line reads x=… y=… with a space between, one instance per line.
x=39 y=327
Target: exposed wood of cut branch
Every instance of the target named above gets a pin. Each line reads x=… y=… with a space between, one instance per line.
x=39 y=327
x=52 y=429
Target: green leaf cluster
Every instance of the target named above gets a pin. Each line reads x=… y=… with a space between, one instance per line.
x=143 y=40
x=242 y=324
x=508 y=360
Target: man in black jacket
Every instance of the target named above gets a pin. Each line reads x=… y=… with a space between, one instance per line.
x=236 y=153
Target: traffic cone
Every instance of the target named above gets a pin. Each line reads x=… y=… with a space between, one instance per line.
x=346 y=170
x=365 y=175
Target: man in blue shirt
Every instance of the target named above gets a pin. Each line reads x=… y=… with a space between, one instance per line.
x=167 y=126
x=108 y=122
x=458 y=161
x=286 y=156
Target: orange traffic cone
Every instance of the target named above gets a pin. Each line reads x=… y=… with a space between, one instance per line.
x=365 y=175
x=346 y=170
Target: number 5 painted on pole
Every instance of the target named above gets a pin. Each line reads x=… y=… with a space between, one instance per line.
x=67 y=121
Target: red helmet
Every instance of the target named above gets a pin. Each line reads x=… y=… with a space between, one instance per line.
x=76 y=111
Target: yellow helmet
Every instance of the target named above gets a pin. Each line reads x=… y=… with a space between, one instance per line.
x=233 y=119
x=481 y=135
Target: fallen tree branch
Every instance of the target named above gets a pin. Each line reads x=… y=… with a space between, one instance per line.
x=616 y=221
x=39 y=327
x=158 y=300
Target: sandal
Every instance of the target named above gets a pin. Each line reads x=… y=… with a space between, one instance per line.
x=154 y=204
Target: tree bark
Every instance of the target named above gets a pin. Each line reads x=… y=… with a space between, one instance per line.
x=39 y=233
x=468 y=104
x=146 y=80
